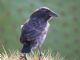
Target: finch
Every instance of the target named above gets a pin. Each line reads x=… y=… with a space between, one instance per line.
x=33 y=32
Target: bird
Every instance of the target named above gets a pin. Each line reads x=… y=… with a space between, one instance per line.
x=35 y=29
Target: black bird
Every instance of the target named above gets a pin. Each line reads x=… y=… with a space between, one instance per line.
x=33 y=32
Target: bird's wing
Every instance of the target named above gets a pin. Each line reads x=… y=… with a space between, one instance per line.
x=28 y=34
x=27 y=20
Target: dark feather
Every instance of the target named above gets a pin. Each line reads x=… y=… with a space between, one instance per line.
x=34 y=31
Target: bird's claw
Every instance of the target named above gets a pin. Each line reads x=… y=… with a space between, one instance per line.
x=23 y=57
x=41 y=56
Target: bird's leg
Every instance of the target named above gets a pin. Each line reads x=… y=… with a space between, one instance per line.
x=23 y=56
x=40 y=52
x=32 y=53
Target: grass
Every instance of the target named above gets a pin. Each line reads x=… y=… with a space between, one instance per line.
x=16 y=56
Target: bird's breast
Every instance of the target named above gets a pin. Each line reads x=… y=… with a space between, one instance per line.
x=44 y=33
x=35 y=35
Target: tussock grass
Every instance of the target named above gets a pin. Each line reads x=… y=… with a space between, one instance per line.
x=16 y=56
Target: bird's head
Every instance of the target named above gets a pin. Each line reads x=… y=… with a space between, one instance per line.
x=43 y=13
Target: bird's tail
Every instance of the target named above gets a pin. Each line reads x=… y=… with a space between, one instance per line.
x=26 y=49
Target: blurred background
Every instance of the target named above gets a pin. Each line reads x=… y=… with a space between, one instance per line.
x=64 y=32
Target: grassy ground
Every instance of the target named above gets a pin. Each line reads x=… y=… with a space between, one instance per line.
x=16 y=56
x=64 y=32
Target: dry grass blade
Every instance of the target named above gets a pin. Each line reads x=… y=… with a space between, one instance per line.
x=16 y=55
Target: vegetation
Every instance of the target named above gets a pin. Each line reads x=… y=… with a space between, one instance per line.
x=16 y=56
x=64 y=32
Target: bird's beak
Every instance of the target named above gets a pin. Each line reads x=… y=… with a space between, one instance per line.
x=53 y=14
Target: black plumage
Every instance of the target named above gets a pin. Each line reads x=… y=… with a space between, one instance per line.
x=33 y=32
